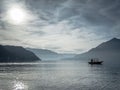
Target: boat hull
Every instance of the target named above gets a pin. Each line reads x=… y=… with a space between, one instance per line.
x=100 y=62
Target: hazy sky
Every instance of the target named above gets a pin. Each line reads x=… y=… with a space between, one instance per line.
x=59 y=25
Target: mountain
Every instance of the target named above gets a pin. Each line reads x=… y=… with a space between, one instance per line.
x=16 y=54
x=45 y=54
x=107 y=51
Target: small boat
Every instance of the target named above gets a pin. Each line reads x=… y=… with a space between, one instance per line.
x=95 y=61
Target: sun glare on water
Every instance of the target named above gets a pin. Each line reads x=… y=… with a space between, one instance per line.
x=19 y=86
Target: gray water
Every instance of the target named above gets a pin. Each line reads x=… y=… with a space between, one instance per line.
x=69 y=75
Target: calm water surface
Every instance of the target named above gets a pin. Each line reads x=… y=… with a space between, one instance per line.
x=60 y=75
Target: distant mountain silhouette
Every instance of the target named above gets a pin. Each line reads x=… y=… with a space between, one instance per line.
x=16 y=54
x=106 y=51
x=45 y=54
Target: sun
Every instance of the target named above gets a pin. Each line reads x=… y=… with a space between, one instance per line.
x=17 y=15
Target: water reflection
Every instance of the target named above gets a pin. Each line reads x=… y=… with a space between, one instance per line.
x=71 y=75
x=18 y=85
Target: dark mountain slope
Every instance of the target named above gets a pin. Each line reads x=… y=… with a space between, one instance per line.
x=16 y=54
x=106 y=51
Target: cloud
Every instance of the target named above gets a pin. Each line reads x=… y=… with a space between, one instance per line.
x=62 y=25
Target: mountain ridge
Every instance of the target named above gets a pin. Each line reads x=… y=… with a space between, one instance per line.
x=10 y=53
x=46 y=54
x=107 y=51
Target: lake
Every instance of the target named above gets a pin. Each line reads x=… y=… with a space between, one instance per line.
x=58 y=75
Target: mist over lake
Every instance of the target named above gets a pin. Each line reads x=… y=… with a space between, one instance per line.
x=59 y=44
x=60 y=75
